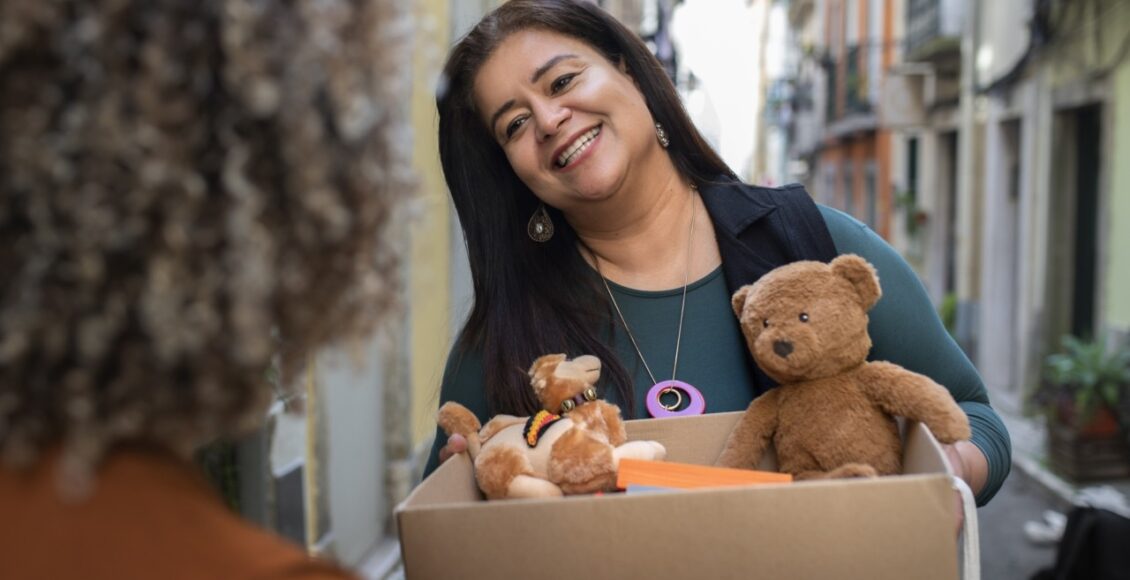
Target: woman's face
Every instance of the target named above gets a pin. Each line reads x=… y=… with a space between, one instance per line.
x=572 y=124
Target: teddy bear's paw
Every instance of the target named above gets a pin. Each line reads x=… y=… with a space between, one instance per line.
x=952 y=431
x=850 y=470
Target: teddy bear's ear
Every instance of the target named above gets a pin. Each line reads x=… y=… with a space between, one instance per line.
x=739 y=298
x=862 y=277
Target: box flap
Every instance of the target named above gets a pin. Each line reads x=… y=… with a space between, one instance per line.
x=453 y=482
x=921 y=452
x=695 y=439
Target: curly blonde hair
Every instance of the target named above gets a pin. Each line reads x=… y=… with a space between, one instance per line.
x=188 y=189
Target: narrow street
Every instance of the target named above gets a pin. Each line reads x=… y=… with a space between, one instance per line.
x=1030 y=490
x=1006 y=553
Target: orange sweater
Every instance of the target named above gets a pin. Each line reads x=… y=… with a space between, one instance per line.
x=149 y=516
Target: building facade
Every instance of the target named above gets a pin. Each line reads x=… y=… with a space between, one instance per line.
x=986 y=150
x=1055 y=198
x=855 y=150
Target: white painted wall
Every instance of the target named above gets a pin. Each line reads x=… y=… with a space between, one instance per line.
x=874 y=48
x=350 y=393
x=935 y=175
x=1003 y=37
x=1000 y=323
x=952 y=18
x=808 y=125
x=1034 y=98
x=851 y=21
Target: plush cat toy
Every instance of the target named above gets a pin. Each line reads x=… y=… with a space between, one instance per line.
x=573 y=446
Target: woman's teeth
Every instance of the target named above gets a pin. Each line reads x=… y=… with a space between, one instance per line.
x=577 y=147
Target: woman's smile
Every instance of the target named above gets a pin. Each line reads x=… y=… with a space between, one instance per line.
x=576 y=150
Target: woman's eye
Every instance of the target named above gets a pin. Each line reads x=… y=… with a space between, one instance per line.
x=561 y=82
x=514 y=126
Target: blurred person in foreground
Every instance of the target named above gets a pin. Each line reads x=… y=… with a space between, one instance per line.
x=189 y=189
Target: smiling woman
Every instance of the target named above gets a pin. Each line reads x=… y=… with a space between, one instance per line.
x=549 y=97
x=556 y=118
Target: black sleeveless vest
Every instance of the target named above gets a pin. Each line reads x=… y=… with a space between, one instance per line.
x=760 y=228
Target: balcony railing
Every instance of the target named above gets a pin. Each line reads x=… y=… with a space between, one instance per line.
x=857 y=99
x=850 y=82
x=933 y=27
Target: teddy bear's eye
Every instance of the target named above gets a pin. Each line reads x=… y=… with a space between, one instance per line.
x=803 y=317
x=765 y=323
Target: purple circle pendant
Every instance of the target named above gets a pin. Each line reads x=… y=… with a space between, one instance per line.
x=658 y=409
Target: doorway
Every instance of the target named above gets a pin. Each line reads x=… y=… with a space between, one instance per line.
x=1073 y=286
x=1088 y=136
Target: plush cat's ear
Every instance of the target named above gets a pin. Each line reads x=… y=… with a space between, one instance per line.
x=861 y=275
x=537 y=377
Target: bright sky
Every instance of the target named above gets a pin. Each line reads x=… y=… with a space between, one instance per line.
x=717 y=42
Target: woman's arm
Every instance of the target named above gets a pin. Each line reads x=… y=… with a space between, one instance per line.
x=905 y=330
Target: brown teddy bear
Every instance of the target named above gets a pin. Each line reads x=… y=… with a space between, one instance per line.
x=833 y=413
x=573 y=446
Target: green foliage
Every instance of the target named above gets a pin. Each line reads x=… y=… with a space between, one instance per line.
x=1085 y=374
x=916 y=218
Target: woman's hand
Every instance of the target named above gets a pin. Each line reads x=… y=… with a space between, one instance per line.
x=970 y=465
x=455 y=444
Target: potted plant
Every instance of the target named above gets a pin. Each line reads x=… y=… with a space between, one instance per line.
x=1085 y=396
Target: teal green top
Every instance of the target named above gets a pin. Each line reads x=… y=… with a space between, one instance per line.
x=904 y=328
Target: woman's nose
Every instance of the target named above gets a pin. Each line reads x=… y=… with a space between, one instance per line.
x=549 y=119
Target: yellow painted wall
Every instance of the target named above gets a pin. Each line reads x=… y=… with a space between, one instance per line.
x=430 y=279
x=1118 y=259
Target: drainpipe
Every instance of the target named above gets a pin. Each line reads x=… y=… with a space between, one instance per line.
x=968 y=172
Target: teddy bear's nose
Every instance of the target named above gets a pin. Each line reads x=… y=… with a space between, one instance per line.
x=783 y=348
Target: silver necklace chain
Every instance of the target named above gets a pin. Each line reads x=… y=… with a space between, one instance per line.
x=682 y=307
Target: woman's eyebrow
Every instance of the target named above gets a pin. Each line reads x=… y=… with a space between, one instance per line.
x=548 y=65
x=505 y=107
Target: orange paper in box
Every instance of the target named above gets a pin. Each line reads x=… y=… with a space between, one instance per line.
x=688 y=476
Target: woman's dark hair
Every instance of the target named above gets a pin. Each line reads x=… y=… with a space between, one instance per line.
x=188 y=190
x=533 y=299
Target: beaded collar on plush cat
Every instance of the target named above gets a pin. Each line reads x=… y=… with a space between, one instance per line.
x=537 y=425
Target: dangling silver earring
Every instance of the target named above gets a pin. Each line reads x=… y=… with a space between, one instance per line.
x=540 y=228
x=662 y=135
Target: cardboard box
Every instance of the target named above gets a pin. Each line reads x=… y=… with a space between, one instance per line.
x=889 y=527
